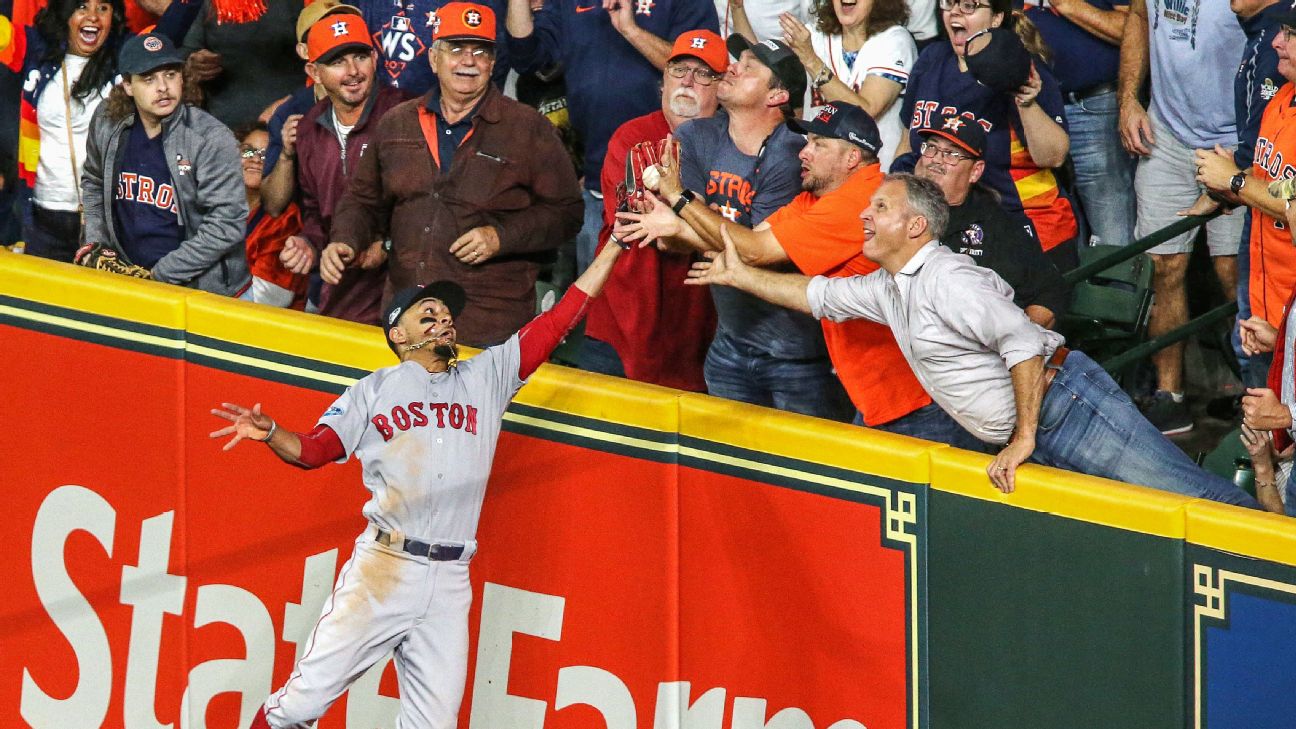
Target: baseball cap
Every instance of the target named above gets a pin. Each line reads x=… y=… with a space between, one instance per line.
x=841 y=121
x=334 y=35
x=704 y=46
x=143 y=53
x=963 y=133
x=1001 y=62
x=779 y=58
x=447 y=292
x=311 y=14
x=464 y=21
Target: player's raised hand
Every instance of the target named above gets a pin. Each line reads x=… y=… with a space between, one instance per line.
x=247 y=423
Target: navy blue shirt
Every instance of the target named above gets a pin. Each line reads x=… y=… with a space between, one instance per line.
x=145 y=212
x=449 y=136
x=1081 y=60
x=299 y=103
x=1257 y=78
x=608 y=81
x=402 y=33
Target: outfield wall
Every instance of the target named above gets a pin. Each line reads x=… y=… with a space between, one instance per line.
x=648 y=558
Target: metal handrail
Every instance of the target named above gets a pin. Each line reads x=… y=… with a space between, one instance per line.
x=1141 y=245
x=1151 y=346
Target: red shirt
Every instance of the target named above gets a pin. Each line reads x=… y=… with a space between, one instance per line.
x=824 y=236
x=659 y=327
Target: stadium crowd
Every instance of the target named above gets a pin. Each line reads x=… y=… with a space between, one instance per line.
x=854 y=209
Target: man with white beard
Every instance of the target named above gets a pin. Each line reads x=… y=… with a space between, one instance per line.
x=649 y=326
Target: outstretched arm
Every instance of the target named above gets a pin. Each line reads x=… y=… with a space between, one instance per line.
x=311 y=450
x=542 y=334
x=728 y=269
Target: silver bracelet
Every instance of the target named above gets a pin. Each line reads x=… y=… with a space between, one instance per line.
x=270 y=433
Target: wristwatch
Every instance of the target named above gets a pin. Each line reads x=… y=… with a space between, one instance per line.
x=823 y=77
x=1237 y=182
x=685 y=197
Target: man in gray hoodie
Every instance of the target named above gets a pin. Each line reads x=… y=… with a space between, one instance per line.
x=162 y=182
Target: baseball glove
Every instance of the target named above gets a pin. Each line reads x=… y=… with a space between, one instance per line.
x=641 y=175
x=100 y=257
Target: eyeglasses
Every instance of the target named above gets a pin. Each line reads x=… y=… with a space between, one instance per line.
x=480 y=53
x=931 y=151
x=1287 y=31
x=250 y=152
x=701 y=76
x=967 y=7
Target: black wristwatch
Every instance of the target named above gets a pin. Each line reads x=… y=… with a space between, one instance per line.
x=1236 y=183
x=685 y=198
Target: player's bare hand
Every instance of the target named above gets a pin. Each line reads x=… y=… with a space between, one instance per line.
x=721 y=268
x=1025 y=96
x=251 y=424
x=298 y=256
x=477 y=245
x=1003 y=469
x=1258 y=336
x=1262 y=410
x=1136 y=128
x=203 y=65
x=372 y=257
x=289 y=134
x=648 y=227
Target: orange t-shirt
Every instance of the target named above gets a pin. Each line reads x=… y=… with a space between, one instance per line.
x=1273 y=256
x=824 y=236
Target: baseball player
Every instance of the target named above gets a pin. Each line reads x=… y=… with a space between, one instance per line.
x=425 y=431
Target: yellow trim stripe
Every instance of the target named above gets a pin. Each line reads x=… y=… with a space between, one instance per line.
x=1261 y=535
x=103 y=331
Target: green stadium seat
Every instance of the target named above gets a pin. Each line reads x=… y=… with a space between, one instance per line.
x=1109 y=311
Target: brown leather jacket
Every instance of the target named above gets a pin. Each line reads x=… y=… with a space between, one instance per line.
x=511 y=172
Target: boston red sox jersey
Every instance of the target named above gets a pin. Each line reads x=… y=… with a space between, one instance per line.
x=890 y=55
x=426 y=441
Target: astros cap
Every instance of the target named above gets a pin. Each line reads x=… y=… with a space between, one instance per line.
x=703 y=45
x=333 y=35
x=464 y=21
x=311 y=14
x=843 y=121
x=780 y=59
x=147 y=52
x=964 y=133
x=447 y=292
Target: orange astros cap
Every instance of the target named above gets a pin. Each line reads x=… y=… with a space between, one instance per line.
x=460 y=20
x=703 y=45
x=334 y=34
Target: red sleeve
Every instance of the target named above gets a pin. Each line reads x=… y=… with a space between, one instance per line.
x=542 y=334
x=319 y=447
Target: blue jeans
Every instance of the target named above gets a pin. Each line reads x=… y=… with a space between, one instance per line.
x=1104 y=171
x=806 y=386
x=1088 y=424
x=587 y=238
x=598 y=356
x=930 y=422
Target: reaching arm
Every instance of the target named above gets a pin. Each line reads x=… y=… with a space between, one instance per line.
x=312 y=450
x=1046 y=140
x=1028 y=391
x=537 y=340
x=727 y=269
x=622 y=15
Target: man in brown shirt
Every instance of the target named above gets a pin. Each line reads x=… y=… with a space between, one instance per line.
x=472 y=186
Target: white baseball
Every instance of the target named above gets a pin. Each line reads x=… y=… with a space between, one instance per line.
x=651 y=176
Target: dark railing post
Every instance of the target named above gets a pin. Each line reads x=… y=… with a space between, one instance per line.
x=1141 y=245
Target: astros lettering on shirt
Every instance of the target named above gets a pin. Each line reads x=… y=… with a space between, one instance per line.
x=146 y=215
x=1273 y=257
x=937 y=88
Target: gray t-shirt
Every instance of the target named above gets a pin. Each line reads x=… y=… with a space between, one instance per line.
x=746 y=189
x=1195 y=48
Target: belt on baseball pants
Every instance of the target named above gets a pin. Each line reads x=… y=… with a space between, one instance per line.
x=1054 y=365
x=434 y=552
